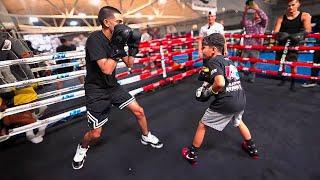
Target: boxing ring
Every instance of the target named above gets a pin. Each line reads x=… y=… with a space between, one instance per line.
x=173 y=112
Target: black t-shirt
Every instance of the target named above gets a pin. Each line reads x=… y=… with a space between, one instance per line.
x=232 y=98
x=64 y=48
x=98 y=47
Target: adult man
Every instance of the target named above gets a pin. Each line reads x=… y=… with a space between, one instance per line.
x=65 y=46
x=253 y=25
x=222 y=81
x=316 y=59
x=292 y=22
x=206 y=30
x=103 y=49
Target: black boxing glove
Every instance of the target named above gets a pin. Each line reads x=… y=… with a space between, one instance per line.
x=133 y=43
x=203 y=93
x=119 y=39
x=204 y=74
x=297 y=38
x=282 y=37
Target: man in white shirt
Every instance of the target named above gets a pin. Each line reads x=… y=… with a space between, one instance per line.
x=211 y=27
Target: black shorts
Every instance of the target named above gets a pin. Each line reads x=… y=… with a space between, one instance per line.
x=292 y=55
x=64 y=69
x=99 y=104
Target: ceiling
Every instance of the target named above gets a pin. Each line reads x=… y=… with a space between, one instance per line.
x=51 y=16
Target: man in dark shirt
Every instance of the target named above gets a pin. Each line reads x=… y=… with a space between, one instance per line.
x=64 y=47
x=316 y=59
x=101 y=86
x=222 y=82
x=292 y=22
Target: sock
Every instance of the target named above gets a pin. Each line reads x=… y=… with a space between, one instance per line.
x=250 y=142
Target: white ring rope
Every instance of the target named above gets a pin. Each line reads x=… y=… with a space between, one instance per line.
x=45 y=102
x=58 y=66
x=36 y=59
x=60 y=91
x=53 y=119
x=41 y=79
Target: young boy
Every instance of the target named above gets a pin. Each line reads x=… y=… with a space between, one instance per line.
x=222 y=82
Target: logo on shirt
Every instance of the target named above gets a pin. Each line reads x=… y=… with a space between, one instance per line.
x=213 y=71
x=232 y=73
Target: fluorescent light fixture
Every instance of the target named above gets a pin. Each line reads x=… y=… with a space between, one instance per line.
x=150 y=18
x=161 y=2
x=95 y=2
x=73 y=23
x=138 y=15
x=33 y=19
x=82 y=14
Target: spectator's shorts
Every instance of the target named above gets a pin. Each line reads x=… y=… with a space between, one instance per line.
x=292 y=56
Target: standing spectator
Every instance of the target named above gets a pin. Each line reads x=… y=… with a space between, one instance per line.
x=156 y=33
x=316 y=59
x=255 y=25
x=145 y=37
x=65 y=46
x=206 y=30
x=292 y=22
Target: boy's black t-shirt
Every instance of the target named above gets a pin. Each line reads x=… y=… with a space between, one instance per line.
x=98 y=47
x=232 y=98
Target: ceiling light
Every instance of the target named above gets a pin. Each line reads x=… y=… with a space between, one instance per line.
x=82 y=14
x=95 y=2
x=33 y=19
x=161 y=2
x=138 y=15
x=73 y=23
x=150 y=18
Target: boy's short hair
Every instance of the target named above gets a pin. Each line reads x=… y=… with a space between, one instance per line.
x=215 y=39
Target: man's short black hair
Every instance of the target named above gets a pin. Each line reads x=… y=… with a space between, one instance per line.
x=215 y=39
x=106 y=12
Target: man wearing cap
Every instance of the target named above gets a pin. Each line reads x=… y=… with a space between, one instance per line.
x=206 y=30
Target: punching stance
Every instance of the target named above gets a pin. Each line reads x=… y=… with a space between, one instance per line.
x=103 y=50
x=222 y=85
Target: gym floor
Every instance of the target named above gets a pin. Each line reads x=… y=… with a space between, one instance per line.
x=284 y=126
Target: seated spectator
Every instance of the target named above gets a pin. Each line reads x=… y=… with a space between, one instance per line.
x=14 y=49
x=65 y=46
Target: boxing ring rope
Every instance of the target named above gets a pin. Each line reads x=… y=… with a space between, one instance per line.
x=69 y=96
x=166 y=58
x=78 y=94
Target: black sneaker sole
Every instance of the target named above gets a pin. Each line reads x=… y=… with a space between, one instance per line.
x=159 y=145
x=78 y=167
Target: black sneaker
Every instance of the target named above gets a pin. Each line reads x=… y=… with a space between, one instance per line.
x=251 y=150
x=191 y=157
x=79 y=157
